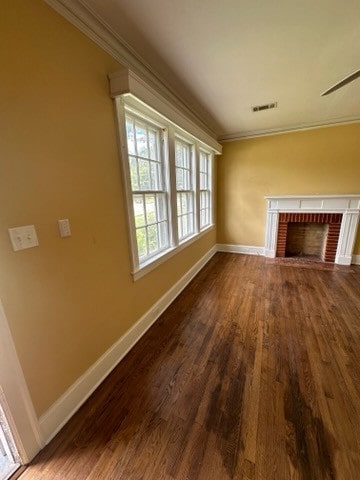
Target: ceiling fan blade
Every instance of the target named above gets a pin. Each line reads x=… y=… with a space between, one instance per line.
x=346 y=80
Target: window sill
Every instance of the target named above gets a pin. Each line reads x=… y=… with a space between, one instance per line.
x=164 y=256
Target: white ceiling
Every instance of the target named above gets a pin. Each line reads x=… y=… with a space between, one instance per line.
x=223 y=57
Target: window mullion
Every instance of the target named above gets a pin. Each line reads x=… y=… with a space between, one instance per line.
x=172 y=181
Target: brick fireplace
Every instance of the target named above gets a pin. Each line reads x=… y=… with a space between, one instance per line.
x=332 y=220
x=339 y=212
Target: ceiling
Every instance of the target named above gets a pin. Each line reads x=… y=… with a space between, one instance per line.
x=223 y=57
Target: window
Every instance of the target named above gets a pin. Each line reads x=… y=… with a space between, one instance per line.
x=205 y=189
x=149 y=195
x=168 y=184
x=185 y=195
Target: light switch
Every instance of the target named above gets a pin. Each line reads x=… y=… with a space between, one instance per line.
x=64 y=227
x=23 y=237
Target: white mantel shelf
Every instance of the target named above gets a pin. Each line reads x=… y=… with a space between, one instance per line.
x=347 y=205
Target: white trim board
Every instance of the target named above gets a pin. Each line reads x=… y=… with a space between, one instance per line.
x=356 y=260
x=242 y=249
x=15 y=397
x=65 y=407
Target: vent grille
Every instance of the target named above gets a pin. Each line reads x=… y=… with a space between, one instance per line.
x=267 y=106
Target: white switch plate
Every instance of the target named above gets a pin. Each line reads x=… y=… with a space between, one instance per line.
x=64 y=227
x=23 y=237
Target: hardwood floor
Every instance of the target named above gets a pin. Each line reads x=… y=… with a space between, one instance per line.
x=252 y=373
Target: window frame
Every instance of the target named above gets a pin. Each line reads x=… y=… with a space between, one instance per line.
x=208 y=190
x=161 y=190
x=170 y=132
x=193 y=185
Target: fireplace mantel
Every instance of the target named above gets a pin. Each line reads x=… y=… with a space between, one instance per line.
x=347 y=205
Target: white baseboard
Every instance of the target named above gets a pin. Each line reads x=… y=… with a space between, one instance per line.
x=244 y=249
x=65 y=407
x=356 y=260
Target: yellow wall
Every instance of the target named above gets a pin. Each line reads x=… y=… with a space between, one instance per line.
x=70 y=299
x=319 y=161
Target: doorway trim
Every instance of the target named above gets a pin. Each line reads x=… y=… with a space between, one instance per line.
x=15 y=397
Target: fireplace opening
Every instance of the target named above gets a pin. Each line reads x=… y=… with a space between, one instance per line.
x=306 y=240
x=326 y=242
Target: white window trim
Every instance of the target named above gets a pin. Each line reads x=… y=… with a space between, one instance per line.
x=143 y=111
x=210 y=174
x=165 y=190
x=193 y=181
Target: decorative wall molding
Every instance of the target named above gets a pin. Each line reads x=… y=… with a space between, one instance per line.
x=65 y=407
x=94 y=27
x=243 y=249
x=348 y=205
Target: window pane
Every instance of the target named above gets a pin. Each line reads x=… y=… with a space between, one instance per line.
x=153 y=145
x=184 y=203
x=178 y=154
x=204 y=158
x=202 y=200
x=151 y=216
x=178 y=203
x=163 y=235
x=187 y=203
x=184 y=226
x=202 y=218
x=139 y=211
x=130 y=135
x=187 y=181
x=141 y=140
x=186 y=157
x=155 y=176
x=144 y=172
x=134 y=173
x=141 y=242
x=161 y=207
x=180 y=231
x=152 y=238
x=179 y=179
x=203 y=181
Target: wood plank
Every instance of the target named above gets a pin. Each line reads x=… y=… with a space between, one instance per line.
x=252 y=373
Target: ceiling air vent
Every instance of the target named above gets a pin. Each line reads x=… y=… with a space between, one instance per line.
x=268 y=106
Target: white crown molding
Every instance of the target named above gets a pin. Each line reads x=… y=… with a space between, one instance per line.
x=233 y=137
x=93 y=26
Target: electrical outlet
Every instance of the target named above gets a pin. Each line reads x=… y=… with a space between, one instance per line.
x=64 y=227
